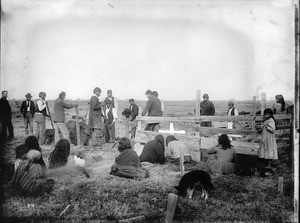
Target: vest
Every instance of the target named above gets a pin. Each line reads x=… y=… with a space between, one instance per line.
x=44 y=111
x=109 y=117
x=232 y=111
x=112 y=101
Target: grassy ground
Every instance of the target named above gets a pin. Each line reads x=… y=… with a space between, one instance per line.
x=110 y=199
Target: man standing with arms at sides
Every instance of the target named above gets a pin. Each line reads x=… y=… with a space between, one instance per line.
x=59 y=116
x=5 y=118
x=153 y=108
x=134 y=109
x=40 y=117
x=207 y=108
x=27 y=110
x=114 y=101
x=110 y=117
x=155 y=94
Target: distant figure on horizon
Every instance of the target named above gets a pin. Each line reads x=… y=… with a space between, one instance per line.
x=207 y=108
x=59 y=116
x=153 y=108
x=40 y=117
x=232 y=111
x=5 y=118
x=27 y=110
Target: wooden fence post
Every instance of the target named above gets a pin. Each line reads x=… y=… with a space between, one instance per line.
x=77 y=127
x=263 y=103
x=171 y=206
x=198 y=100
x=127 y=128
x=280 y=184
x=254 y=116
x=181 y=162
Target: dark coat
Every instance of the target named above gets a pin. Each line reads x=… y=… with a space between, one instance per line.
x=153 y=152
x=134 y=111
x=95 y=110
x=207 y=108
x=153 y=107
x=5 y=110
x=23 y=108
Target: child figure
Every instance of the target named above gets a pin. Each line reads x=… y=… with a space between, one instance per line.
x=267 y=146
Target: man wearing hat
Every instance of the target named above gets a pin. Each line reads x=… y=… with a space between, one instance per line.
x=110 y=117
x=207 y=108
x=27 y=110
x=5 y=118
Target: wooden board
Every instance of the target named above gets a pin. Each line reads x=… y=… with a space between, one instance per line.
x=152 y=119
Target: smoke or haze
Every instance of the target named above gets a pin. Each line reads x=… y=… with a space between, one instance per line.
x=228 y=49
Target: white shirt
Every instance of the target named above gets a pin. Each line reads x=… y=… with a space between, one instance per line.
x=114 y=112
x=41 y=104
x=235 y=112
x=28 y=105
x=115 y=103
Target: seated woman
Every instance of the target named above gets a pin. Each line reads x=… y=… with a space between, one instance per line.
x=221 y=157
x=154 y=151
x=59 y=156
x=172 y=151
x=29 y=178
x=127 y=163
x=31 y=143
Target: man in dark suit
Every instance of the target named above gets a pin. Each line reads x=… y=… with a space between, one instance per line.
x=27 y=110
x=5 y=118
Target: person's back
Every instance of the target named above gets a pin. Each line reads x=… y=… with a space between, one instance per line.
x=225 y=155
x=207 y=108
x=153 y=152
x=153 y=107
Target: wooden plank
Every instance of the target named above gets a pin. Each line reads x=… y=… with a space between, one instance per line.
x=280 y=184
x=189 y=119
x=198 y=101
x=171 y=206
x=223 y=131
x=181 y=162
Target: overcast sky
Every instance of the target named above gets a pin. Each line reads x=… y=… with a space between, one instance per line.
x=228 y=49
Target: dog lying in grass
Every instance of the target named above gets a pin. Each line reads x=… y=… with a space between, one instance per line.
x=188 y=183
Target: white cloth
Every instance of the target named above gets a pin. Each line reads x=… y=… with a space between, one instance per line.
x=28 y=105
x=41 y=104
x=114 y=112
x=235 y=112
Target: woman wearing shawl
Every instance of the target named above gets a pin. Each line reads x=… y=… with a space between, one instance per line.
x=173 y=148
x=29 y=177
x=31 y=143
x=154 y=151
x=267 y=146
x=221 y=157
x=127 y=163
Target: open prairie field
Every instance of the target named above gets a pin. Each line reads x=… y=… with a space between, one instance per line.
x=105 y=198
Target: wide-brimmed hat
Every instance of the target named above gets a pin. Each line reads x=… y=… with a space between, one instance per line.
x=126 y=112
x=28 y=95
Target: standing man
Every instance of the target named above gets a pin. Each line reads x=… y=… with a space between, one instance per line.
x=232 y=111
x=95 y=110
x=155 y=94
x=114 y=101
x=207 y=108
x=40 y=117
x=110 y=117
x=5 y=118
x=27 y=110
x=134 y=109
x=59 y=116
x=153 y=108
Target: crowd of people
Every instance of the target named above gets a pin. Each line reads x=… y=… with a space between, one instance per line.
x=31 y=178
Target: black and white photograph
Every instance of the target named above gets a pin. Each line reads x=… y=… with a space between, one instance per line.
x=149 y=111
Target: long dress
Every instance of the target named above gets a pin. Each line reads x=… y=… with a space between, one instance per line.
x=221 y=161
x=267 y=145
